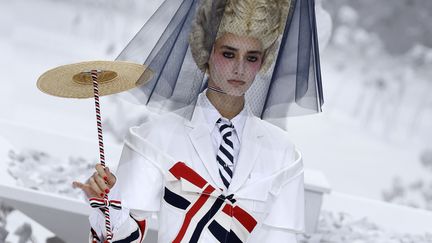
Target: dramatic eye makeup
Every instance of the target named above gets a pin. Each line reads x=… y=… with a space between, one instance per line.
x=230 y=52
x=252 y=58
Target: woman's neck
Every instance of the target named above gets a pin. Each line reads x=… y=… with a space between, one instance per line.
x=228 y=106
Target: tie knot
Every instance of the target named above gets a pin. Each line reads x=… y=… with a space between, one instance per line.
x=224 y=125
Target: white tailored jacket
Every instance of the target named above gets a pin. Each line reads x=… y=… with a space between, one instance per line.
x=168 y=167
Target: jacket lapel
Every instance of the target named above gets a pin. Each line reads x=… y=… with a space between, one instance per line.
x=249 y=150
x=202 y=143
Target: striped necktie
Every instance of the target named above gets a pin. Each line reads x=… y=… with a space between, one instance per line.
x=225 y=154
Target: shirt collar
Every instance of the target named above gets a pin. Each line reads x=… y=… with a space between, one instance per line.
x=212 y=115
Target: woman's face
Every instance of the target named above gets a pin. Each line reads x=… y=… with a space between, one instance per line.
x=234 y=63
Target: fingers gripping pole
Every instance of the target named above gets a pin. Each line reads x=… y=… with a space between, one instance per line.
x=104 y=204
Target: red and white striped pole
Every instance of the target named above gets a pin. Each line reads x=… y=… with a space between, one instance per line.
x=95 y=202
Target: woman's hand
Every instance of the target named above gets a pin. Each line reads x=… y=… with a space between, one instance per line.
x=98 y=184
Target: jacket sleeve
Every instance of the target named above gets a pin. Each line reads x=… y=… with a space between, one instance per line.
x=132 y=230
x=285 y=218
x=272 y=234
x=139 y=188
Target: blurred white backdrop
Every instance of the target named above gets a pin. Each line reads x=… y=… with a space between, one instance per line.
x=373 y=139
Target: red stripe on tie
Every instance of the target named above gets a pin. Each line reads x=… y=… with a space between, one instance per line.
x=181 y=170
x=244 y=218
x=192 y=211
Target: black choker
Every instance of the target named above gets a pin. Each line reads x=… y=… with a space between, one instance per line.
x=216 y=89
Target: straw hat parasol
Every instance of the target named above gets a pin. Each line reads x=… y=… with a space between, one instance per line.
x=74 y=80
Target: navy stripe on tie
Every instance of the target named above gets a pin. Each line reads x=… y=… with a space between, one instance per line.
x=226 y=168
x=224 y=180
x=223 y=127
x=227 y=141
x=227 y=154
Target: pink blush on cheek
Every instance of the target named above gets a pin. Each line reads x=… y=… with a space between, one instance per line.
x=255 y=67
x=221 y=63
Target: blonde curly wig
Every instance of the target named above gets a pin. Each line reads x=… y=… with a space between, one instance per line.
x=260 y=19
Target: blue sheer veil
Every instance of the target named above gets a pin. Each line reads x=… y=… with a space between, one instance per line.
x=292 y=86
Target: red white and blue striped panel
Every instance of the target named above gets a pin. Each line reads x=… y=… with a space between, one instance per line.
x=206 y=210
x=136 y=236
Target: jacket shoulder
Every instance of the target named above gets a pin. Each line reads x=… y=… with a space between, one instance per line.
x=279 y=137
x=159 y=129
